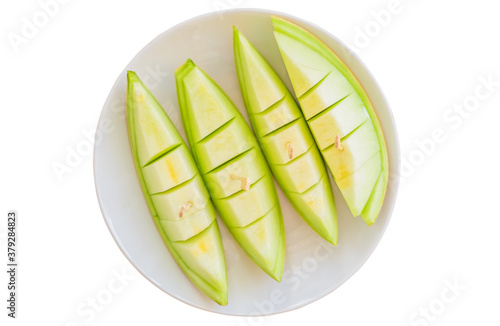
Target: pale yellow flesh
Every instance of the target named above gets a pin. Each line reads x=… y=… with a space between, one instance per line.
x=202 y=255
x=301 y=172
x=227 y=179
x=280 y=142
x=276 y=116
x=242 y=206
x=208 y=102
x=169 y=171
x=222 y=146
x=306 y=69
x=339 y=121
x=359 y=147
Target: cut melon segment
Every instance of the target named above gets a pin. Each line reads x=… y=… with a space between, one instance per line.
x=260 y=241
x=192 y=195
x=356 y=188
x=281 y=113
x=301 y=173
x=305 y=66
x=222 y=183
x=246 y=206
x=339 y=120
x=153 y=130
x=167 y=164
x=169 y=171
x=263 y=89
x=188 y=226
x=318 y=206
x=326 y=93
x=357 y=148
x=200 y=253
x=223 y=145
x=232 y=139
x=210 y=102
x=326 y=125
x=295 y=134
x=374 y=204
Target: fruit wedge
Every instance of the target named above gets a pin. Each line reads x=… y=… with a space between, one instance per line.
x=340 y=117
x=175 y=193
x=285 y=139
x=233 y=168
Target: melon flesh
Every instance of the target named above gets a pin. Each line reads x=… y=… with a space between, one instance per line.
x=222 y=183
x=169 y=171
x=339 y=120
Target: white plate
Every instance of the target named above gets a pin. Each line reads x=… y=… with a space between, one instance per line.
x=313 y=267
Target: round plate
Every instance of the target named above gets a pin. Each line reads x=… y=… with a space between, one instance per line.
x=313 y=267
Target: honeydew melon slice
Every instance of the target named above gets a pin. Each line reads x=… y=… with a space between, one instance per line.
x=155 y=141
x=321 y=80
x=222 y=146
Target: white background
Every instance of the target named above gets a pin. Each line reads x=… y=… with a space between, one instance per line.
x=431 y=59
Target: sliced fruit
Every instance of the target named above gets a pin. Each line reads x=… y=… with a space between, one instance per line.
x=233 y=167
x=175 y=194
x=285 y=139
x=340 y=116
